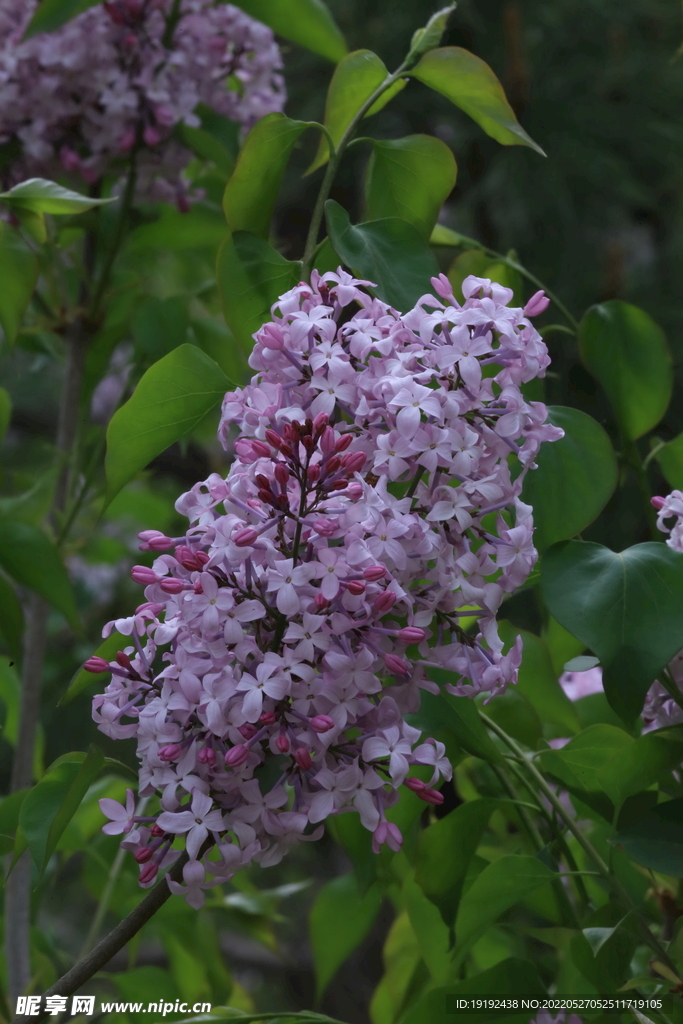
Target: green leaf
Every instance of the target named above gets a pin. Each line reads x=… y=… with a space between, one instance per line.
x=171 y=399
x=432 y=934
x=627 y=352
x=42 y=196
x=52 y=14
x=19 y=274
x=656 y=840
x=158 y=326
x=389 y=252
x=11 y=617
x=253 y=187
x=5 y=412
x=354 y=81
x=624 y=606
x=10 y=807
x=427 y=38
x=84 y=680
x=410 y=178
x=339 y=920
x=33 y=561
x=445 y=850
x=499 y=886
x=197 y=229
x=538 y=681
x=51 y=804
x=584 y=764
x=511 y=977
x=441 y=235
x=307 y=23
x=470 y=84
x=460 y=715
x=33 y=505
x=251 y=276
x=604 y=948
x=639 y=766
x=575 y=478
x=670 y=458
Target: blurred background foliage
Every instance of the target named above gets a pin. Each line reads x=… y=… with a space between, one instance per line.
x=599 y=86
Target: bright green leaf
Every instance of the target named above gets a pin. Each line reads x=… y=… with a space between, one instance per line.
x=354 y=81
x=52 y=14
x=429 y=37
x=575 y=478
x=625 y=607
x=33 y=561
x=339 y=920
x=445 y=850
x=171 y=399
x=307 y=23
x=470 y=84
x=251 y=276
x=638 y=767
x=84 y=680
x=214 y=338
x=499 y=886
x=581 y=764
x=42 y=196
x=460 y=715
x=401 y=956
x=53 y=801
x=11 y=616
x=388 y=252
x=410 y=178
x=432 y=934
x=538 y=681
x=18 y=273
x=656 y=840
x=670 y=458
x=441 y=235
x=253 y=187
x=197 y=229
x=627 y=352
x=604 y=948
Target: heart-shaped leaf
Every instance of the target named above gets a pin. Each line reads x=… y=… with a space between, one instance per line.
x=389 y=252
x=470 y=84
x=625 y=607
x=410 y=178
x=575 y=479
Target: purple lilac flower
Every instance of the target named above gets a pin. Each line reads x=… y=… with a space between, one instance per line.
x=319 y=583
x=114 y=78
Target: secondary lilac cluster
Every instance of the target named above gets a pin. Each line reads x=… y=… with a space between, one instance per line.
x=367 y=531
x=120 y=77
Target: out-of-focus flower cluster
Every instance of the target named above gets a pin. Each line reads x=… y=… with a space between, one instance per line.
x=373 y=504
x=121 y=77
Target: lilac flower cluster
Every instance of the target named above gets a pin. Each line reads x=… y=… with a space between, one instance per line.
x=371 y=515
x=121 y=76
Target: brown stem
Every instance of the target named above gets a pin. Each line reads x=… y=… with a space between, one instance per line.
x=116 y=940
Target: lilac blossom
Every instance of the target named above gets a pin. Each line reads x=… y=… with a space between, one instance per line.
x=294 y=625
x=122 y=77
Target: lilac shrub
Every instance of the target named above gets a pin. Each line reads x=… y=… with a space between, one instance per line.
x=122 y=76
x=373 y=504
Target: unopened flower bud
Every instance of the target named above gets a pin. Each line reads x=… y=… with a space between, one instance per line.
x=206 y=755
x=245 y=538
x=417 y=785
x=248 y=730
x=374 y=573
x=321 y=601
x=343 y=442
x=96 y=664
x=282 y=743
x=123 y=659
x=327 y=440
x=169 y=752
x=273 y=439
x=657 y=502
x=281 y=474
x=237 y=755
x=411 y=635
x=143 y=575
x=261 y=449
x=537 y=304
x=321 y=723
x=397 y=666
x=430 y=796
x=267 y=717
x=387 y=832
x=354 y=461
x=172 y=585
x=355 y=587
x=313 y=473
x=148 y=873
x=144 y=855
x=270 y=336
x=320 y=421
x=384 y=602
x=156 y=831
x=153 y=540
x=354 y=490
x=303 y=758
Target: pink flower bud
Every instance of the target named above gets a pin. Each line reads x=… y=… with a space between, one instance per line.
x=430 y=796
x=325 y=527
x=343 y=442
x=143 y=575
x=207 y=755
x=354 y=461
x=244 y=451
x=144 y=855
x=153 y=540
x=356 y=587
x=148 y=873
x=197 y=586
x=156 y=831
x=172 y=585
x=657 y=502
x=245 y=538
x=320 y=421
x=282 y=743
x=354 y=490
x=267 y=717
x=273 y=439
x=270 y=336
x=327 y=440
x=96 y=664
x=170 y=752
x=537 y=304
x=313 y=473
x=374 y=573
x=261 y=449
x=411 y=635
x=237 y=755
x=303 y=758
x=384 y=602
x=417 y=785
x=320 y=601
x=248 y=730
x=281 y=474
x=387 y=832
x=123 y=659
x=397 y=666
x=321 y=723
